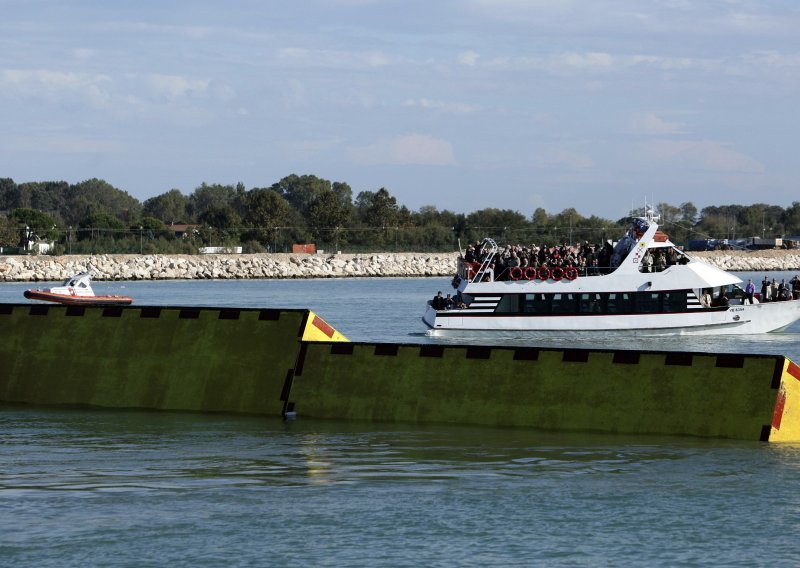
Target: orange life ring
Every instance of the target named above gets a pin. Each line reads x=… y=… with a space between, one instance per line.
x=515 y=273
x=557 y=274
x=544 y=273
x=571 y=273
x=530 y=273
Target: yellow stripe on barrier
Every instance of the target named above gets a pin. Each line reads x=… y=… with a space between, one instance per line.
x=786 y=416
x=317 y=329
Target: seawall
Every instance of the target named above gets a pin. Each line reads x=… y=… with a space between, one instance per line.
x=284 y=266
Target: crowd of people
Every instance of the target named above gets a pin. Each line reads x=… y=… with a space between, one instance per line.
x=440 y=302
x=587 y=259
x=775 y=291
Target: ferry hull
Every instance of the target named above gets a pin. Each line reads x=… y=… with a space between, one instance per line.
x=736 y=320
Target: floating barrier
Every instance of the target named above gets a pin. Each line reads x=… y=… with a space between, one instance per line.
x=167 y=358
x=293 y=363
x=748 y=397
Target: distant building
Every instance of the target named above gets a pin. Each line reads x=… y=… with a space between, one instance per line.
x=182 y=230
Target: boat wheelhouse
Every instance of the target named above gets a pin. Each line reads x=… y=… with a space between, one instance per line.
x=649 y=286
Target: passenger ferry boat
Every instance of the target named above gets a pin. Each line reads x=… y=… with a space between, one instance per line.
x=625 y=298
x=76 y=291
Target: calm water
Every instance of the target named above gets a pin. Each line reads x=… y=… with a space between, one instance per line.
x=125 y=488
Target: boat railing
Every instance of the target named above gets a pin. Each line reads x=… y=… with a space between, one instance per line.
x=478 y=271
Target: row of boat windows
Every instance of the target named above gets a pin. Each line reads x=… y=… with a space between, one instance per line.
x=611 y=303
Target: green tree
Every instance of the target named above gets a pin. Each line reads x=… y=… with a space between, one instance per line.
x=9 y=232
x=8 y=194
x=344 y=193
x=791 y=219
x=221 y=217
x=377 y=208
x=170 y=207
x=97 y=196
x=101 y=224
x=267 y=212
x=540 y=218
x=688 y=213
x=328 y=212
x=497 y=223
x=302 y=191
x=213 y=196
x=42 y=226
x=153 y=228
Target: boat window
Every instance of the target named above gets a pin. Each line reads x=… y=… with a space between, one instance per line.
x=509 y=304
x=674 y=301
x=564 y=304
x=590 y=304
x=594 y=303
x=536 y=303
x=648 y=302
x=619 y=303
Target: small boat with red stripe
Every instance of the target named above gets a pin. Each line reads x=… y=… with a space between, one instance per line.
x=76 y=291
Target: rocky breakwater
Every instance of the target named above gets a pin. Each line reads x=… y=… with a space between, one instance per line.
x=223 y=266
x=284 y=266
x=752 y=261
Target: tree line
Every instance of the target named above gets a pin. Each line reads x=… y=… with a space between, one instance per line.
x=95 y=217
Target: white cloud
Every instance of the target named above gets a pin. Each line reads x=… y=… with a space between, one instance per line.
x=649 y=123
x=333 y=59
x=703 y=155
x=448 y=107
x=410 y=149
x=55 y=85
x=176 y=86
x=468 y=58
x=589 y=61
x=83 y=53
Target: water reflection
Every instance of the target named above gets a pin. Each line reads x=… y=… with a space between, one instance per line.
x=146 y=451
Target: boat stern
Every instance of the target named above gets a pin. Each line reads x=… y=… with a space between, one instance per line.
x=429 y=318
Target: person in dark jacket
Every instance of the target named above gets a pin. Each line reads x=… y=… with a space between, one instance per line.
x=438 y=302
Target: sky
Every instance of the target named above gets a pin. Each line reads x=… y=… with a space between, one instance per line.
x=597 y=105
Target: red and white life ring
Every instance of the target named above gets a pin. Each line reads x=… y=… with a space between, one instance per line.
x=557 y=274
x=530 y=273
x=571 y=273
x=515 y=273
x=544 y=273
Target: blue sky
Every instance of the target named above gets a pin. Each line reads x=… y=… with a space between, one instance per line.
x=463 y=104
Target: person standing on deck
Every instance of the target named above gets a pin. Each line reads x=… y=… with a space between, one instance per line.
x=749 y=291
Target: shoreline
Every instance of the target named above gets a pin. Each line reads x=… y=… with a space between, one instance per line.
x=110 y=267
